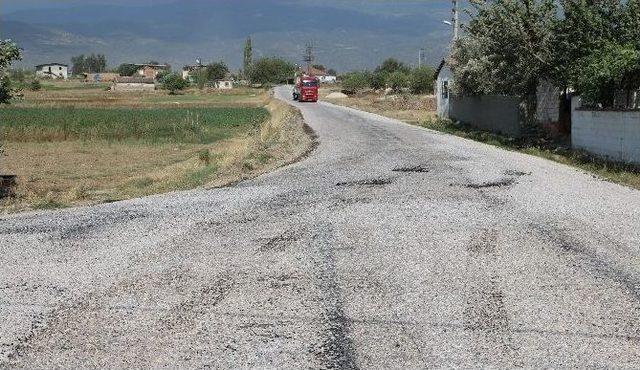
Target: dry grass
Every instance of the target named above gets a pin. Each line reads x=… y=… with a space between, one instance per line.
x=79 y=172
x=407 y=108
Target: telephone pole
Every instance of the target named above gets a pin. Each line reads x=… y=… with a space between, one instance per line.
x=308 y=57
x=456 y=20
x=420 y=57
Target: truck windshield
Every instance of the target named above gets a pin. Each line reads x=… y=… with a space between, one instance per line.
x=310 y=84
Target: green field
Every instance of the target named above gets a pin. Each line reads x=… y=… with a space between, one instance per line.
x=193 y=126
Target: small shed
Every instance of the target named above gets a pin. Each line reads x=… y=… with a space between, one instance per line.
x=53 y=70
x=134 y=83
x=444 y=81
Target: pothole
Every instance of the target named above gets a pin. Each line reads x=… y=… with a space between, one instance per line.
x=367 y=182
x=492 y=184
x=516 y=173
x=418 y=168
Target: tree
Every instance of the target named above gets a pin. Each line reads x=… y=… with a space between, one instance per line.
x=599 y=76
x=398 y=80
x=332 y=72
x=378 y=79
x=216 y=71
x=271 y=70
x=507 y=50
x=9 y=52
x=127 y=69
x=421 y=80
x=173 y=82
x=392 y=65
x=89 y=64
x=248 y=56
x=355 y=82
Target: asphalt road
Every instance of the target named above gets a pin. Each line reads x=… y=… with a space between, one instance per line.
x=390 y=246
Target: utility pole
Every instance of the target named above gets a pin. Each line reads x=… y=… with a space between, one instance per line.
x=308 y=57
x=456 y=20
x=420 y=57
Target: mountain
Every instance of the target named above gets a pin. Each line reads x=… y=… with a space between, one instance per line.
x=346 y=36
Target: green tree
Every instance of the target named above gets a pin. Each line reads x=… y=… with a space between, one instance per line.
x=173 y=82
x=421 y=80
x=378 y=79
x=600 y=75
x=354 y=82
x=127 y=69
x=398 y=80
x=9 y=52
x=271 y=70
x=392 y=65
x=506 y=50
x=248 y=57
x=89 y=64
x=216 y=71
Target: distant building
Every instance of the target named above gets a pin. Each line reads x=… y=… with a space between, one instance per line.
x=53 y=70
x=322 y=75
x=444 y=81
x=226 y=84
x=188 y=71
x=135 y=83
x=151 y=70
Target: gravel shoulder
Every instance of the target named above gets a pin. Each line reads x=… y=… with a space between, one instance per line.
x=388 y=246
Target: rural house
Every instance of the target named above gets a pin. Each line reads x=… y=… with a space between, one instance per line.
x=322 y=75
x=189 y=71
x=53 y=70
x=151 y=70
x=135 y=83
x=444 y=80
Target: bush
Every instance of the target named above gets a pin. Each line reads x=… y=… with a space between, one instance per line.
x=35 y=85
x=127 y=70
x=379 y=80
x=355 y=82
x=271 y=71
x=398 y=80
x=173 y=82
x=421 y=80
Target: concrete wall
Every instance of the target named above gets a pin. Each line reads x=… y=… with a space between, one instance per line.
x=613 y=135
x=442 y=92
x=499 y=114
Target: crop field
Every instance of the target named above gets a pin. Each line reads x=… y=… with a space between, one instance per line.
x=74 y=144
x=182 y=125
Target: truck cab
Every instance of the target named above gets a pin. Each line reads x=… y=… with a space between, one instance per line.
x=306 y=89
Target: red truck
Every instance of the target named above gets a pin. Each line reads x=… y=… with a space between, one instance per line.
x=306 y=89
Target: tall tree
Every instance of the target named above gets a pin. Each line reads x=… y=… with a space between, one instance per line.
x=248 y=56
x=9 y=52
x=507 y=50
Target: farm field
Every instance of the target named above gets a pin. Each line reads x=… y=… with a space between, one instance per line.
x=80 y=144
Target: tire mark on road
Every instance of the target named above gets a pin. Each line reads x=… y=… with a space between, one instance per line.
x=336 y=350
x=485 y=313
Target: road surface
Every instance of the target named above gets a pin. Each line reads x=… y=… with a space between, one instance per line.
x=389 y=246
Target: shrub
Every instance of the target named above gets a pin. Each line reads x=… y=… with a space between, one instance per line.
x=421 y=80
x=35 y=85
x=355 y=82
x=379 y=80
x=173 y=82
x=398 y=80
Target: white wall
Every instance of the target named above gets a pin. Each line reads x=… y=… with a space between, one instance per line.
x=57 y=72
x=614 y=135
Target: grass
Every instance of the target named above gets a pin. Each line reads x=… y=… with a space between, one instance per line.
x=76 y=145
x=197 y=125
x=621 y=173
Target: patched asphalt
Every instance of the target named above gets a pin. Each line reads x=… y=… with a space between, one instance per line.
x=389 y=246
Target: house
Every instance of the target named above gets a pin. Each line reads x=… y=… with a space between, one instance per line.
x=52 y=70
x=321 y=74
x=189 y=71
x=226 y=83
x=100 y=77
x=444 y=81
x=151 y=70
x=135 y=83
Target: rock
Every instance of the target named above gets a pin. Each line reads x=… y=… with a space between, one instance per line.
x=337 y=95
